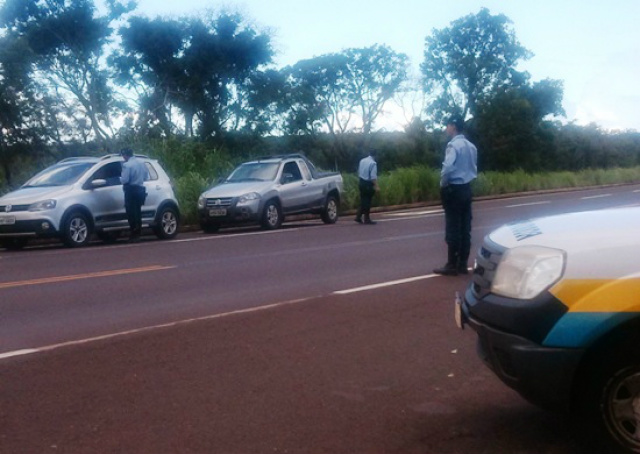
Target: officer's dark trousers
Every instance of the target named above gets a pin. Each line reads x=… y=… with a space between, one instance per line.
x=367 y=191
x=134 y=197
x=456 y=201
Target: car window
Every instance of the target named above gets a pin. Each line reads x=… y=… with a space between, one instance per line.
x=110 y=172
x=256 y=171
x=305 y=170
x=153 y=173
x=61 y=174
x=291 y=172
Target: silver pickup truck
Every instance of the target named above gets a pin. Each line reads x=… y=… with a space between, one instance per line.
x=264 y=191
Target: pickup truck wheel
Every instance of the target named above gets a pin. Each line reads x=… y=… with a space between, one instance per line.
x=329 y=214
x=167 y=224
x=76 y=231
x=271 y=216
x=610 y=404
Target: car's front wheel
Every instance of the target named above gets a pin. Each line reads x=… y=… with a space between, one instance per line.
x=76 y=230
x=167 y=223
x=610 y=402
x=271 y=216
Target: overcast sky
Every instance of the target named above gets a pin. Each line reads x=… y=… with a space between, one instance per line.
x=591 y=45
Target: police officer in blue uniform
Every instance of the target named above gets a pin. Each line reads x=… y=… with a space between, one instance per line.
x=368 y=186
x=134 y=174
x=459 y=169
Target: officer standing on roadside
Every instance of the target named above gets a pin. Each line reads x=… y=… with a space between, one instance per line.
x=368 y=186
x=134 y=174
x=459 y=169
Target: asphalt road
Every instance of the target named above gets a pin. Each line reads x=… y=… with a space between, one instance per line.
x=310 y=339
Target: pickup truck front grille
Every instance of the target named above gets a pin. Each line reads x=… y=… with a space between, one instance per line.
x=487 y=260
x=219 y=202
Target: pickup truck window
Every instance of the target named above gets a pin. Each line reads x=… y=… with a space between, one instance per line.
x=256 y=171
x=305 y=170
x=291 y=172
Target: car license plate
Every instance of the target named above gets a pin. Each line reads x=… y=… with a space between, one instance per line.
x=457 y=311
x=218 y=212
x=7 y=220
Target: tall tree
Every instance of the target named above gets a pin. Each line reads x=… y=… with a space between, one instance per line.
x=67 y=40
x=345 y=91
x=469 y=60
x=375 y=74
x=510 y=127
x=148 y=63
x=202 y=67
x=16 y=94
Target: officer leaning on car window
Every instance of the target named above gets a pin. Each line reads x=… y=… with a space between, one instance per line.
x=134 y=174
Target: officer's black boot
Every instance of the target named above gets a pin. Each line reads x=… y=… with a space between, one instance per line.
x=451 y=267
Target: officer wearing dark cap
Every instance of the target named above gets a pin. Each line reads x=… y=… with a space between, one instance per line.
x=459 y=169
x=134 y=174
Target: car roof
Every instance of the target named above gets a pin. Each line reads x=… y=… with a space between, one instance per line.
x=95 y=159
x=79 y=159
x=277 y=158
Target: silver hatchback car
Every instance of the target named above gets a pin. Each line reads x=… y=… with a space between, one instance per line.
x=80 y=196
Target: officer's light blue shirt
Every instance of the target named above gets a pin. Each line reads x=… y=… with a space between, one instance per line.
x=134 y=172
x=460 y=164
x=368 y=169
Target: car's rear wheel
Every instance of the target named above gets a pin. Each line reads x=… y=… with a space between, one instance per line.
x=167 y=223
x=76 y=230
x=329 y=214
x=271 y=216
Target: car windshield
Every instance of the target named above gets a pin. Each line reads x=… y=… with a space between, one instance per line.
x=254 y=171
x=62 y=174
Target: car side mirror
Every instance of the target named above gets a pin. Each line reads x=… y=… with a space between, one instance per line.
x=98 y=183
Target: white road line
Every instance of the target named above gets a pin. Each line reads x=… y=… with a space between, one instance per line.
x=544 y=202
x=219 y=237
x=26 y=351
x=46 y=348
x=414 y=213
x=599 y=196
x=384 y=284
x=30 y=351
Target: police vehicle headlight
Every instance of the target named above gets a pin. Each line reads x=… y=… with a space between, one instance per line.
x=248 y=197
x=524 y=272
x=43 y=205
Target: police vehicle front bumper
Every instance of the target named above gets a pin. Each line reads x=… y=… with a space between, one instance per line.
x=543 y=375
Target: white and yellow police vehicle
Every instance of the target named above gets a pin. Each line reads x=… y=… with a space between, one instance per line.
x=555 y=303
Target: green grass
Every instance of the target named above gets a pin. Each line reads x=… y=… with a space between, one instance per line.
x=421 y=184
